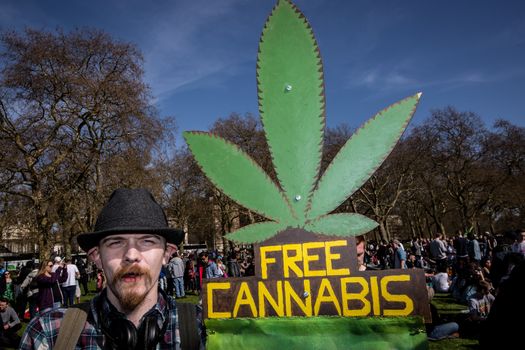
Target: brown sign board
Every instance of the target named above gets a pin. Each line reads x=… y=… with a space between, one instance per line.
x=299 y=273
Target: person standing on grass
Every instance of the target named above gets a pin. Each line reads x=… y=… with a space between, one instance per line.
x=69 y=287
x=210 y=267
x=83 y=280
x=519 y=245
x=57 y=262
x=7 y=287
x=474 y=251
x=48 y=282
x=400 y=256
x=30 y=288
x=222 y=268
x=176 y=269
x=189 y=275
x=21 y=297
x=438 y=250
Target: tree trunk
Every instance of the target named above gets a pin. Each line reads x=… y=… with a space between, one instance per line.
x=383 y=231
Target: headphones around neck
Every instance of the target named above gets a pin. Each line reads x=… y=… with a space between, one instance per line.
x=121 y=334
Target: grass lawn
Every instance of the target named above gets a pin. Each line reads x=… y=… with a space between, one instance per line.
x=448 y=308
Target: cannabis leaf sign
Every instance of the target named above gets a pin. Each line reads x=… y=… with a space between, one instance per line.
x=292 y=107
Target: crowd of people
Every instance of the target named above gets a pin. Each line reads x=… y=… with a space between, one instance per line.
x=468 y=268
x=35 y=288
x=472 y=270
x=184 y=272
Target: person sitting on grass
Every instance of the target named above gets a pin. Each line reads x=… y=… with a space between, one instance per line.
x=479 y=306
x=439 y=329
x=441 y=281
x=10 y=325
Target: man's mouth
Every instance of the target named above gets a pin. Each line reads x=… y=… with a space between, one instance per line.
x=131 y=277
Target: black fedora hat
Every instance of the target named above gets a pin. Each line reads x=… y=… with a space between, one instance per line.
x=130 y=211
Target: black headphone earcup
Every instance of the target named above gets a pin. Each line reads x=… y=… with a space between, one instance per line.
x=149 y=332
x=124 y=333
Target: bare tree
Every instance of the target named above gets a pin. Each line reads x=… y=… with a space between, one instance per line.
x=504 y=156
x=72 y=107
x=457 y=179
x=222 y=214
x=187 y=194
x=428 y=204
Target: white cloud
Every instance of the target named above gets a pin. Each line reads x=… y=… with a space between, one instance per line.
x=476 y=77
x=381 y=79
x=396 y=78
x=369 y=78
x=470 y=78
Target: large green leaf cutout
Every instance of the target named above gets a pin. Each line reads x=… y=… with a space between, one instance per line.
x=342 y=225
x=255 y=233
x=238 y=176
x=362 y=154
x=291 y=101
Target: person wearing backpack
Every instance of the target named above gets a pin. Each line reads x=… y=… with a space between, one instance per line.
x=130 y=243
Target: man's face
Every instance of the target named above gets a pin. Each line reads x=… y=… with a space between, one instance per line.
x=132 y=263
x=3 y=306
x=360 y=247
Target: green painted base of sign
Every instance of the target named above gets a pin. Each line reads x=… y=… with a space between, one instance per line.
x=317 y=333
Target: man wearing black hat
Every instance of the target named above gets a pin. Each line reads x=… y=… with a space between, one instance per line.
x=130 y=244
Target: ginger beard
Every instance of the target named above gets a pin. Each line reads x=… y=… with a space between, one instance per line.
x=131 y=285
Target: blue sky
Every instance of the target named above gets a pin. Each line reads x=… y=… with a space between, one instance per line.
x=200 y=55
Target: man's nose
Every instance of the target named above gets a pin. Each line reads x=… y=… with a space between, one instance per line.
x=132 y=253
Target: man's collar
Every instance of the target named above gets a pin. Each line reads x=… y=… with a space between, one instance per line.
x=161 y=307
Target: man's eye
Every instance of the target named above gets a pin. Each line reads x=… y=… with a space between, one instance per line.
x=149 y=241
x=114 y=244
